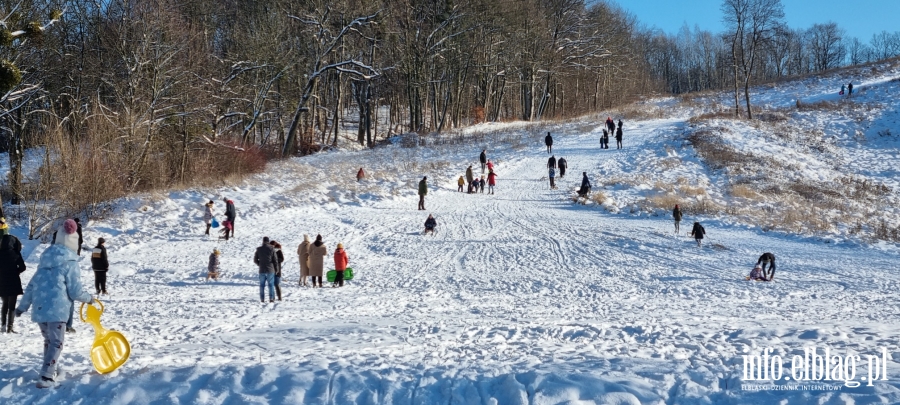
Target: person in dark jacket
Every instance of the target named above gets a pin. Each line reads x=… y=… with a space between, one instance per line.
x=698 y=232
x=610 y=125
x=278 y=265
x=551 y=163
x=266 y=259
x=562 y=165
x=470 y=178
x=619 y=136
x=11 y=266
x=483 y=159
x=423 y=191
x=430 y=224
x=767 y=259
x=212 y=268
x=100 y=264
x=585 y=185
x=604 y=139
x=676 y=215
x=548 y=140
x=230 y=215
x=850 y=89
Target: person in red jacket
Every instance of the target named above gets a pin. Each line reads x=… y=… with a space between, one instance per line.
x=360 y=174
x=340 y=264
x=492 y=181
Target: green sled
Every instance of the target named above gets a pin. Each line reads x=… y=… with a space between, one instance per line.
x=348 y=275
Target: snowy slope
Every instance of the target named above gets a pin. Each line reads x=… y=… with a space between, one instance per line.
x=522 y=297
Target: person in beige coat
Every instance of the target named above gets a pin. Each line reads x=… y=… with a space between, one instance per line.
x=303 y=253
x=317 y=253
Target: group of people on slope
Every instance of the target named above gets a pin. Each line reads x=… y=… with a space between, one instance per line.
x=849 y=88
x=611 y=129
x=230 y=217
x=697 y=232
x=552 y=165
x=476 y=185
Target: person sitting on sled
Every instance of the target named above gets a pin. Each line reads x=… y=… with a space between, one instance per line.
x=756 y=274
x=430 y=224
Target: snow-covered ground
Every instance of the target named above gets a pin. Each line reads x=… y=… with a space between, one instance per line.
x=521 y=297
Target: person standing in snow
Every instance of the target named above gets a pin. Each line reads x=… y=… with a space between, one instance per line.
x=767 y=259
x=230 y=215
x=585 y=185
x=619 y=136
x=470 y=178
x=430 y=224
x=11 y=266
x=492 y=181
x=481 y=185
x=483 y=159
x=461 y=182
x=208 y=215
x=360 y=175
x=552 y=175
x=212 y=269
x=843 y=87
x=340 y=264
x=53 y=289
x=849 y=89
x=676 y=215
x=562 y=165
x=698 y=232
x=100 y=264
x=423 y=191
x=610 y=124
x=266 y=259
x=548 y=140
x=303 y=253
x=317 y=253
x=551 y=163
x=604 y=138
x=490 y=165
x=278 y=265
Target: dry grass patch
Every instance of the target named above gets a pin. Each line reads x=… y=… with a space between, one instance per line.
x=743 y=191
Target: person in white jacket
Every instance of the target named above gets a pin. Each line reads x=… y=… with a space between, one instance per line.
x=52 y=291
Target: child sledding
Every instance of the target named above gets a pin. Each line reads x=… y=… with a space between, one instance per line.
x=430 y=225
x=756 y=274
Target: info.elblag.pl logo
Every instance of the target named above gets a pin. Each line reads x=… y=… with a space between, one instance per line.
x=814 y=367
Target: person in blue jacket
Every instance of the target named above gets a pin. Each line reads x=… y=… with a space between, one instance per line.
x=52 y=291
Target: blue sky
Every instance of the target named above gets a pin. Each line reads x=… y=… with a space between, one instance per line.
x=860 y=18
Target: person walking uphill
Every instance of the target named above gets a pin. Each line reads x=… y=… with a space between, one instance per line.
x=317 y=253
x=11 y=266
x=562 y=165
x=764 y=260
x=483 y=159
x=551 y=163
x=100 y=264
x=552 y=176
x=266 y=259
x=548 y=140
x=278 y=265
x=208 y=215
x=340 y=264
x=698 y=232
x=53 y=289
x=230 y=215
x=676 y=215
x=303 y=254
x=423 y=191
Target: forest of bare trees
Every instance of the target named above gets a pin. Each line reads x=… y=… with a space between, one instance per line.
x=120 y=96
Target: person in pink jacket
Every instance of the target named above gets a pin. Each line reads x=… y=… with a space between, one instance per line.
x=340 y=264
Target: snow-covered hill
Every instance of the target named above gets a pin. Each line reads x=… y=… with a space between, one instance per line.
x=522 y=297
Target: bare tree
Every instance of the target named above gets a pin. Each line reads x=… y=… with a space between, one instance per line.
x=751 y=23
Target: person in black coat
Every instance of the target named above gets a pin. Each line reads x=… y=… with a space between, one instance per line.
x=548 y=140
x=483 y=159
x=619 y=137
x=562 y=165
x=698 y=232
x=551 y=163
x=100 y=264
x=585 y=185
x=11 y=266
x=230 y=215
x=767 y=259
x=430 y=224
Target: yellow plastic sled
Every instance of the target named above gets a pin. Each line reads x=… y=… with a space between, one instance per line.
x=111 y=349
